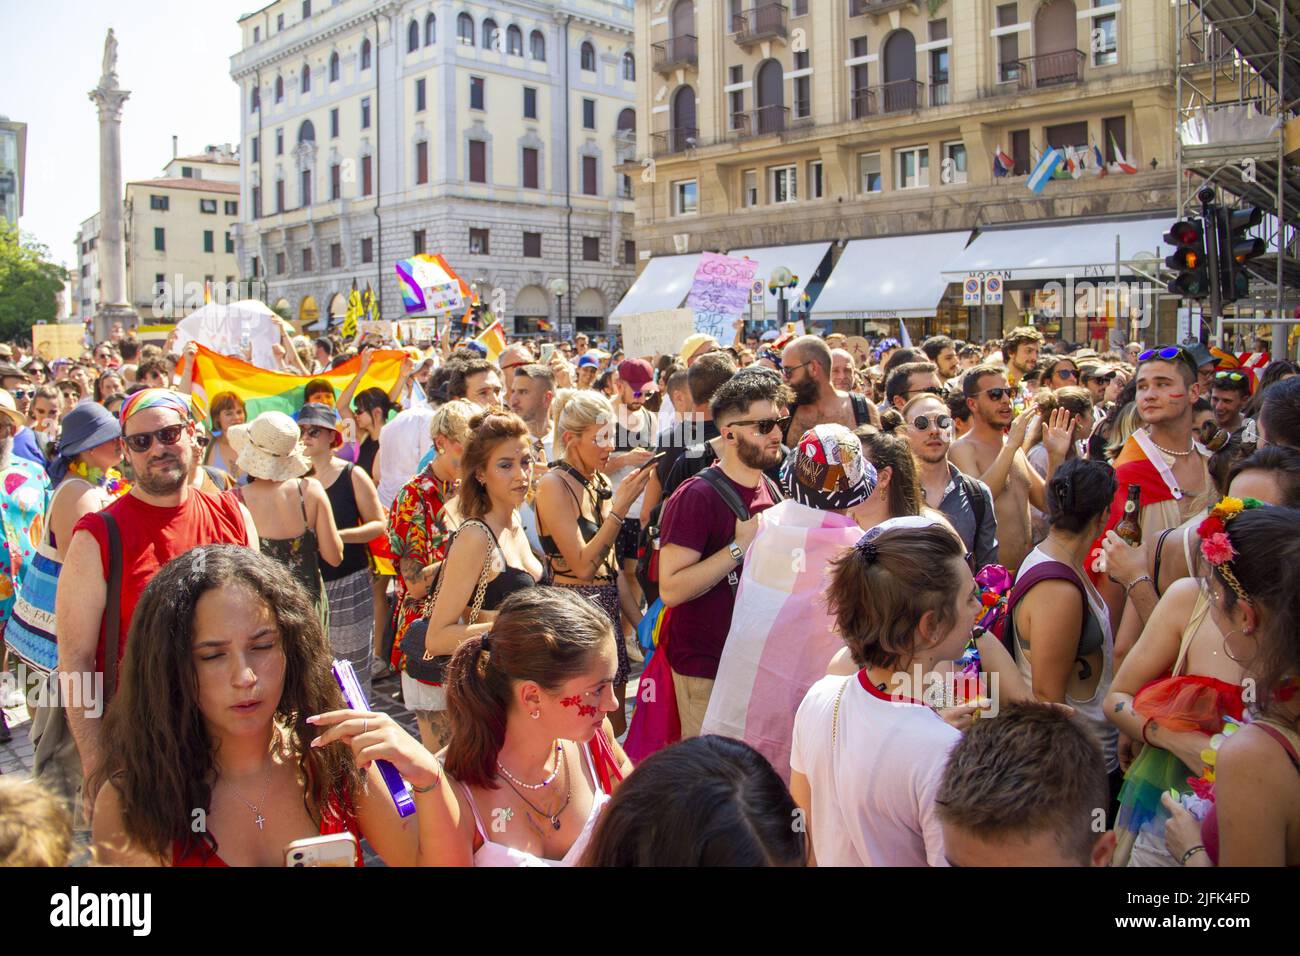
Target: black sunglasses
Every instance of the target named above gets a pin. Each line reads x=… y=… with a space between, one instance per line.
x=1064 y=374
x=142 y=442
x=929 y=390
x=789 y=370
x=764 y=425
x=922 y=422
x=311 y=431
x=997 y=394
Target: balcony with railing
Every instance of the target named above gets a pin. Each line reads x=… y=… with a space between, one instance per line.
x=1049 y=69
x=764 y=21
x=677 y=140
x=760 y=122
x=677 y=51
x=901 y=96
x=858 y=8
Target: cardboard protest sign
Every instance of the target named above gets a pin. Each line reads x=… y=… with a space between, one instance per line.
x=648 y=334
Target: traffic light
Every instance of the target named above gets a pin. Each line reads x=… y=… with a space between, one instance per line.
x=1236 y=248
x=1189 y=260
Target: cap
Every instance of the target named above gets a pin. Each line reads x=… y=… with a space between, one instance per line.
x=639 y=376
x=693 y=344
x=827 y=470
x=586 y=360
x=1200 y=355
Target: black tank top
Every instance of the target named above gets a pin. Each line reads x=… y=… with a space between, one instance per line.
x=508 y=580
x=343 y=502
x=366 y=455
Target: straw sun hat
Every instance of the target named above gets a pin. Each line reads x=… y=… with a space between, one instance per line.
x=269 y=447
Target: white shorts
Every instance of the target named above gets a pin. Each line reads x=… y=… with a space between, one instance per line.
x=420 y=697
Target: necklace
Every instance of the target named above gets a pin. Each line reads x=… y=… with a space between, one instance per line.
x=257 y=814
x=1176 y=454
x=598 y=491
x=535 y=786
x=554 y=818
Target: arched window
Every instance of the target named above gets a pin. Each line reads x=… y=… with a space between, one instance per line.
x=412 y=37
x=306 y=78
x=490 y=33
x=465 y=29
x=306 y=132
x=588 y=57
x=365 y=53
x=334 y=67
x=514 y=41
x=430 y=30
x=629 y=67
x=255 y=103
x=537 y=46
x=279 y=89
x=627 y=120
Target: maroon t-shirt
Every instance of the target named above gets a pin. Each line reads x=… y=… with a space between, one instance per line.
x=152 y=536
x=696 y=517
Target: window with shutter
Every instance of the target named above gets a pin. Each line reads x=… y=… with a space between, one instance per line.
x=477 y=161
x=589 y=175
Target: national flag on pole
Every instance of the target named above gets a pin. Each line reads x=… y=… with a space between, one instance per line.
x=1066 y=169
x=1098 y=162
x=1121 y=164
x=1048 y=165
x=353 y=314
x=369 y=305
x=1002 y=163
x=493 y=338
x=1076 y=162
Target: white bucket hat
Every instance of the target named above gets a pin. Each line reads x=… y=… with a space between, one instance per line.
x=269 y=447
x=10 y=410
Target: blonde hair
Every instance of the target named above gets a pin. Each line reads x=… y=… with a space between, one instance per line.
x=581 y=410
x=35 y=828
x=451 y=420
x=1123 y=429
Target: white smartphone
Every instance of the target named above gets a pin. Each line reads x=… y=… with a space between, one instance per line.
x=334 y=849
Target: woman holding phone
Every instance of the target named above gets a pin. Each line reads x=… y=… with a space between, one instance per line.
x=579 y=517
x=228 y=768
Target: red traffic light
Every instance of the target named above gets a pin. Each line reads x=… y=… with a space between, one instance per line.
x=1184 y=233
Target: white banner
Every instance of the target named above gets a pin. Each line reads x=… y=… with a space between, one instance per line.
x=648 y=334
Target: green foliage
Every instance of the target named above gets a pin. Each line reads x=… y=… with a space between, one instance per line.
x=29 y=284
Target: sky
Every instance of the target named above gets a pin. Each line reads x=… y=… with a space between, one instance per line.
x=175 y=60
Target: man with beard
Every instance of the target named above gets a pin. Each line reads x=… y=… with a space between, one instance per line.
x=806 y=364
x=161 y=517
x=704 y=541
x=993 y=454
x=1020 y=353
x=940 y=350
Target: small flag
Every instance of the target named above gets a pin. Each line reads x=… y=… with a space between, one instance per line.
x=368 y=304
x=1048 y=165
x=1098 y=161
x=493 y=338
x=1002 y=163
x=353 y=314
x=1076 y=163
x=1065 y=170
x=207 y=291
x=543 y=325
x=903 y=335
x=1123 y=165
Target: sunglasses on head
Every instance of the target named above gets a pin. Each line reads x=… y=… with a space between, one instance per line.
x=142 y=442
x=922 y=422
x=764 y=425
x=1219 y=376
x=1168 y=353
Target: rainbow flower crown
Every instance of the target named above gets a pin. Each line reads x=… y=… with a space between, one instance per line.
x=1216 y=546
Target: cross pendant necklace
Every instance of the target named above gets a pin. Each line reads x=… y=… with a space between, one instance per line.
x=258 y=818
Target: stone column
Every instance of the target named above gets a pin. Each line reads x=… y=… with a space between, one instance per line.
x=114 y=306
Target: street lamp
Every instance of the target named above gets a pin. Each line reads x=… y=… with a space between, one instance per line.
x=560 y=288
x=778 y=281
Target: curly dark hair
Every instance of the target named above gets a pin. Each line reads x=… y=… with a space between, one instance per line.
x=157 y=751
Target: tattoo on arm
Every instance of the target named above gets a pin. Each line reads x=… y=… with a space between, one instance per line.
x=1119 y=708
x=411 y=569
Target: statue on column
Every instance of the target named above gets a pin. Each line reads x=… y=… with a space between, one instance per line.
x=110 y=56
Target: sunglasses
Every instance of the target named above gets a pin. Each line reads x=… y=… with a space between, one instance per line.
x=789 y=370
x=929 y=390
x=27 y=392
x=1104 y=379
x=1064 y=374
x=203 y=441
x=1168 y=353
x=997 y=394
x=1219 y=376
x=922 y=422
x=312 y=431
x=764 y=425
x=142 y=442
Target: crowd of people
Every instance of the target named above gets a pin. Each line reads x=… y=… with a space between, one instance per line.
x=1010 y=603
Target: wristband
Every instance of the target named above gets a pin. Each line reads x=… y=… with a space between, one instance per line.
x=1136 y=582
x=1200 y=847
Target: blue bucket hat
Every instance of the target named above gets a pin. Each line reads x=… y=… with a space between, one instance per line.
x=86 y=426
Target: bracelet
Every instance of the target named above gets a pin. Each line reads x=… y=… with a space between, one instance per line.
x=1144 y=731
x=1135 y=583
x=1190 y=853
x=615 y=514
x=437 y=782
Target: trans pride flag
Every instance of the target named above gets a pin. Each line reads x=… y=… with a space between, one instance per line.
x=782 y=637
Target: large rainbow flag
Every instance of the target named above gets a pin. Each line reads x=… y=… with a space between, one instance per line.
x=262 y=390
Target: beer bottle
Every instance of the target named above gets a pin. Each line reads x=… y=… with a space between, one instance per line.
x=1129 y=527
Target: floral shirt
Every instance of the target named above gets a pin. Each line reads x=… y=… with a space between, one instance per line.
x=24 y=496
x=417 y=531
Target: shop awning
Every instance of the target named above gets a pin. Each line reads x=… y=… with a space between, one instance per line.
x=663 y=284
x=1084 y=250
x=801 y=260
x=890 y=277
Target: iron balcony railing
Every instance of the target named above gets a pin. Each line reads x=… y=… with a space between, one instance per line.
x=900 y=96
x=760 y=122
x=676 y=51
x=1051 y=69
x=675 y=140
x=762 y=21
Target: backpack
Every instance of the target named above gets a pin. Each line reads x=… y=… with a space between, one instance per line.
x=1043 y=571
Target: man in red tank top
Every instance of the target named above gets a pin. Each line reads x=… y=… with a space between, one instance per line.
x=161 y=517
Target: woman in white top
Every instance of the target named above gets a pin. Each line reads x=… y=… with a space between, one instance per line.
x=531 y=754
x=867 y=754
x=1059 y=625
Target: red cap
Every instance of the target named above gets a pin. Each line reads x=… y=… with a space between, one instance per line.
x=639 y=376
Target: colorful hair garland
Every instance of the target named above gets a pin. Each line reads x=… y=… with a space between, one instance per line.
x=1216 y=546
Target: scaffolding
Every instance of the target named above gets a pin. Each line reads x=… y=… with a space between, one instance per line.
x=1237 y=83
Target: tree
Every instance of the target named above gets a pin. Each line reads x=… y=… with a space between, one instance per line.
x=29 y=284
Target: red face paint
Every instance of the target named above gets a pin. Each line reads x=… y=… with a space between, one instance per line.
x=1177 y=394
x=585 y=710
x=574 y=701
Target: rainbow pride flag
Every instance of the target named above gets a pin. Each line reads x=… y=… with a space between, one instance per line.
x=430 y=286
x=263 y=391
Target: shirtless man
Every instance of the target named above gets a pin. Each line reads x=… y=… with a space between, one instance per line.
x=806 y=364
x=994 y=456
x=842 y=369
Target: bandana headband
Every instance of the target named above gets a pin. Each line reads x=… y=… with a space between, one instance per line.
x=154 y=398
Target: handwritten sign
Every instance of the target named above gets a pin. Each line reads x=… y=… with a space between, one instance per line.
x=722 y=285
x=429 y=286
x=648 y=334
x=381 y=327
x=65 y=340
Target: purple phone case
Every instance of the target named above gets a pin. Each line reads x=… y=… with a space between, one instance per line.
x=355 y=698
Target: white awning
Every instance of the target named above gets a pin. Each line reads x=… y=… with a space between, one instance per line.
x=1084 y=250
x=890 y=277
x=663 y=284
x=801 y=260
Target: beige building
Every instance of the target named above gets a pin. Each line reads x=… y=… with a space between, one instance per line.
x=487 y=132
x=854 y=142
x=179 y=237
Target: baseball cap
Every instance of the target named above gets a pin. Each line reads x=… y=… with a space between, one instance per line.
x=639 y=376
x=586 y=360
x=827 y=470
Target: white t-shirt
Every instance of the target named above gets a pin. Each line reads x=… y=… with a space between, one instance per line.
x=873 y=790
x=402 y=443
